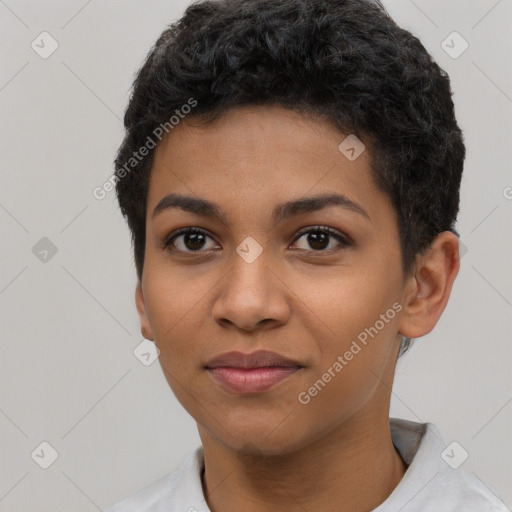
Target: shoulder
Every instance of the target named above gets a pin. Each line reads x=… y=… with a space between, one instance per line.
x=434 y=479
x=177 y=490
x=468 y=493
x=148 y=498
x=462 y=491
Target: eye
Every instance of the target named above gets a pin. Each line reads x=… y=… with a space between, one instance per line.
x=318 y=239
x=192 y=240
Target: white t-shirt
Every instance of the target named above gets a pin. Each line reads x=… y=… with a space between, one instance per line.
x=430 y=483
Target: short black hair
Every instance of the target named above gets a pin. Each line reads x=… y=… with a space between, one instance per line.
x=346 y=61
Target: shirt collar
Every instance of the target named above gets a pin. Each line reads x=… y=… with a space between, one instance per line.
x=415 y=442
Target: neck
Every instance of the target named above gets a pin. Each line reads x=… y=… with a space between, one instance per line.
x=355 y=467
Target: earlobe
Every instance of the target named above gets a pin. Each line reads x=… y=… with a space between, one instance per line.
x=145 y=327
x=429 y=288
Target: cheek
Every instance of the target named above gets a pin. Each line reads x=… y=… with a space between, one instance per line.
x=174 y=309
x=352 y=301
x=171 y=308
x=171 y=293
x=350 y=372
x=362 y=313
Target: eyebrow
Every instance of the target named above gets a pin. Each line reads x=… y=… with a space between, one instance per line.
x=281 y=211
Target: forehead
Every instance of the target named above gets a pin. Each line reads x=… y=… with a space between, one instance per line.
x=258 y=156
x=248 y=131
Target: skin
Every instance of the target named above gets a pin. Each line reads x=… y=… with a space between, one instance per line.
x=267 y=451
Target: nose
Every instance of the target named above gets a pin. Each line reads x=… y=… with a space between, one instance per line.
x=253 y=296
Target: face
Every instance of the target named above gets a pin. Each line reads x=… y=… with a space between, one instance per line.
x=260 y=276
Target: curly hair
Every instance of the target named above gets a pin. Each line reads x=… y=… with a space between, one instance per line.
x=344 y=60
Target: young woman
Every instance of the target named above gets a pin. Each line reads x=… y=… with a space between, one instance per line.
x=290 y=175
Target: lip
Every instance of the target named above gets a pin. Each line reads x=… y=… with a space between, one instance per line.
x=251 y=373
x=257 y=359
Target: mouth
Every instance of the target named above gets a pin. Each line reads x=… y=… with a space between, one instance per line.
x=251 y=373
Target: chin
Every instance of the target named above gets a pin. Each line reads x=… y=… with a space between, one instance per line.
x=255 y=437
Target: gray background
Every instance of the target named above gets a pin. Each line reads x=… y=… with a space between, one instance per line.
x=69 y=325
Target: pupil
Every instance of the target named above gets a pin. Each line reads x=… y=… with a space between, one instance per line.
x=313 y=240
x=192 y=239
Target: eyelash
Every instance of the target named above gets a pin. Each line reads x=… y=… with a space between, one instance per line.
x=344 y=241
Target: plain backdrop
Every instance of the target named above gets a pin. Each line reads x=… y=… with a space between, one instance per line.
x=69 y=374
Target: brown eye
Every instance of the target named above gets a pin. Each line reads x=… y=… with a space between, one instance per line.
x=187 y=240
x=318 y=239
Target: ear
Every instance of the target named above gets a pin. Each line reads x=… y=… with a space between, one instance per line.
x=427 y=290
x=145 y=327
